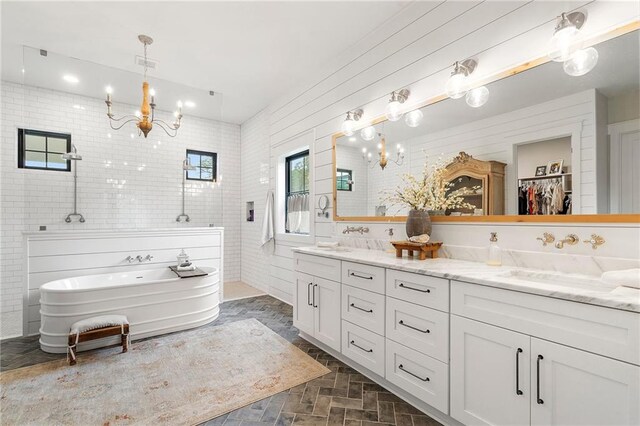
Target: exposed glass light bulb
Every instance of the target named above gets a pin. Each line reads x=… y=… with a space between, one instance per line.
x=369 y=155
x=457 y=86
x=393 y=110
x=352 y=139
x=138 y=114
x=368 y=133
x=109 y=90
x=179 y=104
x=581 y=62
x=414 y=118
x=152 y=92
x=348 y=125
x=364 y=150
x=379 y=147
x=477 y=97
x=564 y=42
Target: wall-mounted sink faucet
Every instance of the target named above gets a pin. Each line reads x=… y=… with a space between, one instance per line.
x=546 y=238
x=360 y=229
x=571 y=239
x=595 y=241
x=389 y=232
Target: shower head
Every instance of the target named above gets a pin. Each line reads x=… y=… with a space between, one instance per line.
x=186 y=164
x=72 y=155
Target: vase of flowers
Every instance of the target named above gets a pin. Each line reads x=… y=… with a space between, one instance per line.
x=429 y=192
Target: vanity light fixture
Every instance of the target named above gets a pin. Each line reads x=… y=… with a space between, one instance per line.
x=383 y=155
x=349 y=124
x=413 y=118
x=145 y=119
x=368 y=133
x=581 y=62
x=458 y=84
x=393 y=111
x=565 y=41
x=477 y=97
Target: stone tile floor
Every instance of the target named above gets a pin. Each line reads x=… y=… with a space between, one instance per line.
x=341 y=397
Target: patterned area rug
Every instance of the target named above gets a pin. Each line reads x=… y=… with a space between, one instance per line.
x=180 y=379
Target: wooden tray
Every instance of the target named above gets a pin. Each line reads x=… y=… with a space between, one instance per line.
x=422 y=249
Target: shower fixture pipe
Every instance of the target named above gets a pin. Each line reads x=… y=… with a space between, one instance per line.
x=186 y=165
x=73 y=156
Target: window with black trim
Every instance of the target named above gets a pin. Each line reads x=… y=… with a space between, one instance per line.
x=344 y=180
x=205 y=163
x=297 y=192
x=43 y=150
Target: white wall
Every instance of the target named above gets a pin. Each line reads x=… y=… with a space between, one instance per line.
x=123 y=183
x=414 y=49
x=532 y=155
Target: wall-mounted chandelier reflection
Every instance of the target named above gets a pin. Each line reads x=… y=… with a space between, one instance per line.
x=144 y=118
x=349 y=124
x=383 y=156
x=566 y=45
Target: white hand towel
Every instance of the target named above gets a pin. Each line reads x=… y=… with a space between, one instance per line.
x=268 y=225
x=625 y=277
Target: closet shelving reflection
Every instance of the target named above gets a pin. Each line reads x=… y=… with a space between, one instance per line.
x=564 y=178
x=543 y=200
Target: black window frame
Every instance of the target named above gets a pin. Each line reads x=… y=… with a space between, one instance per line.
x=22 y=149
x=349 y=173
x=214 y=165
x=287 y=189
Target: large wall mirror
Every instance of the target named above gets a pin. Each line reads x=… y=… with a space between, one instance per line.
x=545 y=146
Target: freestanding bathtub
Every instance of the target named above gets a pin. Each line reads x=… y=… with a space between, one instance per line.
x=155 y=301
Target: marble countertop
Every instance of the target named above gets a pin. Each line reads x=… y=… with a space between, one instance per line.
x=574 y=287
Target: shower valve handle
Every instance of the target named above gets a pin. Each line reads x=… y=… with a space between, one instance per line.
x=148 y=258
x=129 y=259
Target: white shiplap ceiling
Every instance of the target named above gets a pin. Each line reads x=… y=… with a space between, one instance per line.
x=251 y=52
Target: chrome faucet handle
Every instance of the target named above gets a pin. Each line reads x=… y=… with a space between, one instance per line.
x=129 y=259
x=546 y=238
x=139 y=258
x=148 y=258
x=595 y=241
x=571 y=239
x=364 y=230
x=389 y=231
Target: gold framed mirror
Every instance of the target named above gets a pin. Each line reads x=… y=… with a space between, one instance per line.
x=560 y=120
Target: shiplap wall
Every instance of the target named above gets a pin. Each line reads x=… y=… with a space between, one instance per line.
x=414 y=49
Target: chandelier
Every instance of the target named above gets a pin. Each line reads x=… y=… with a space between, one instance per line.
x=144 y=118
x=383 y=155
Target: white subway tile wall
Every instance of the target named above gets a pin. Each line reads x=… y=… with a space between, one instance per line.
x=123 y=182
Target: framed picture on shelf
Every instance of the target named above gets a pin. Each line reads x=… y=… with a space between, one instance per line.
x=554 y=167
x=541 y=171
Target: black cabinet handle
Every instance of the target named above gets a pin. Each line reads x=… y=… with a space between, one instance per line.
x=360 y=347
x=401 y=322
x=401 y=367
x=369 y=311
x=413 y=288
x=314 y=296
x=353 y=274
x=518 y=352
x=538 y=399
x=308 y=296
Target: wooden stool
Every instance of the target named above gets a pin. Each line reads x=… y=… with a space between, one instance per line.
x=97 y=328
x=421 y=248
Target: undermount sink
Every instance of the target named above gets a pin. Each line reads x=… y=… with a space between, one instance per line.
x=338 y=249
x=565 y=280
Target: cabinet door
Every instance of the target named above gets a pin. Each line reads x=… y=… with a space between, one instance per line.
x=327 y=312
x=489 y=374
x=303 y=310
x=574 y=387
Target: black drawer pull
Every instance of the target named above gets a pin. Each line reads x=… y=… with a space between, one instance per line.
x=401 y=322
x=518 y=352
x=401 y=367
x=538 y=399
x=360 y=347
x=413 y=288
x=353 y=274
x=369 y=311
x=314 y=296
x=308 y=296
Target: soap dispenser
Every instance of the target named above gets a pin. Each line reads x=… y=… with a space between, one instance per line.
x=495 y=254
x=182 y=257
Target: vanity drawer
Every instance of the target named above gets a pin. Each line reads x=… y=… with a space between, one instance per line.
x=363 y=308
x=605 y=331
x=364 y=347
x=424 y=290
x=318 y=266
x=422 y=329
x=366 y=277
x=422 y=376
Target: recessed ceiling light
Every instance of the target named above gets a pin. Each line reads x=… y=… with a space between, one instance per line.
x=352 y=139
x=78 y=107
x=70 y=78
x=189 y=104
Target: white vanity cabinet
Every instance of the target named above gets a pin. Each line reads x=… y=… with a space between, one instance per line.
x=317 y=308
x=509 y=375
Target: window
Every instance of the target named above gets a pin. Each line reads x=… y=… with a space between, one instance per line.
x=205 y=164
x=43 y=150
x=344 y=180
x=297 y=193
